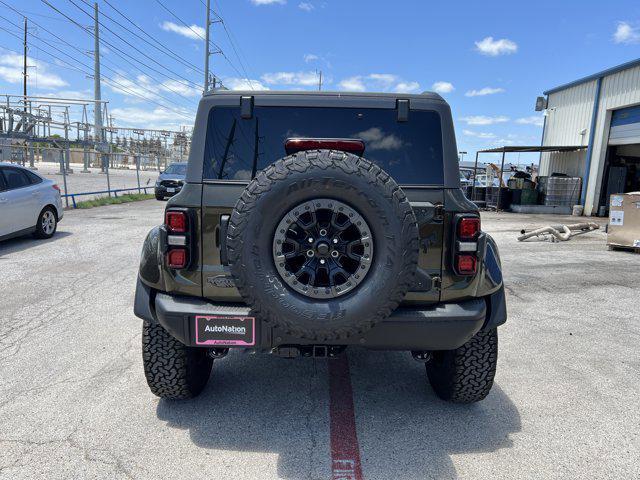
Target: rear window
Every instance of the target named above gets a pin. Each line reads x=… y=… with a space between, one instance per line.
x=411 y=152
x=15 y=178
x=177 y=169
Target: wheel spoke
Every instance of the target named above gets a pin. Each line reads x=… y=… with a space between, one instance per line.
x=322 y=248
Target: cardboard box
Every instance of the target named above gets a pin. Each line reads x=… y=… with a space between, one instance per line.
x=624 y=220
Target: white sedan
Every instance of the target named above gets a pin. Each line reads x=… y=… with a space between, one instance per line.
x=29 y=203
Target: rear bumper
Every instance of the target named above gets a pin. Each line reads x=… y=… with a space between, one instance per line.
x=443 y=326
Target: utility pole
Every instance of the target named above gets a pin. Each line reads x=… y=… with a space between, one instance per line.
x=97 y=111
x=24 y=73
x=206 y=51
x=320 y=80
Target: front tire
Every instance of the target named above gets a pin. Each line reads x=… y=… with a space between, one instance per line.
x=173 y=370
x=465 y=375
x=47 y=223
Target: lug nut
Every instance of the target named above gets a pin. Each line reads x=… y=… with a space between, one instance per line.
x=309 y=253
x=335 y=240
x=335 y=254
x=310 y=239
x=323 y=232
x=322 y=261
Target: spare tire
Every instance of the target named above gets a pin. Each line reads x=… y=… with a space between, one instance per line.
x=323 y=244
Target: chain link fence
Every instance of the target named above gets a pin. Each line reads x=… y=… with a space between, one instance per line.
x=86 y=174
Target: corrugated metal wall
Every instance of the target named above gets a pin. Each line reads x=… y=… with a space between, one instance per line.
x=622 y=89
x=569 y=112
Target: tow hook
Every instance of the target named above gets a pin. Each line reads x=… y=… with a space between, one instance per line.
x=217 y=353
x=421 y=356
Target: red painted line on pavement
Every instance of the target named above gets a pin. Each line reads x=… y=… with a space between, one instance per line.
x=345 y=450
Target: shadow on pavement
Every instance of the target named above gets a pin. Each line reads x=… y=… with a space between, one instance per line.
x=260 y=404
x=267 y=404
x=18 y=244
x=405 y=431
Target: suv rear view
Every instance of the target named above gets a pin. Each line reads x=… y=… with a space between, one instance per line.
x=310 y=222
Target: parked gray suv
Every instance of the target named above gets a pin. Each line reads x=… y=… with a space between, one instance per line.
x=314 y=222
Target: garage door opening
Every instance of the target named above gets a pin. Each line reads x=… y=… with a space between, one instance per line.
x=622 y=164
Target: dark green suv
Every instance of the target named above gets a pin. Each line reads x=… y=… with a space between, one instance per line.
x=311 y=222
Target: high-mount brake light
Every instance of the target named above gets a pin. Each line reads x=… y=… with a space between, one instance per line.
x=177 y=258
x=468 y=228
x=293 y=145
x=176 y=221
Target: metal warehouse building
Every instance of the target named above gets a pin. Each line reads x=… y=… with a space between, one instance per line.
x=599 y=115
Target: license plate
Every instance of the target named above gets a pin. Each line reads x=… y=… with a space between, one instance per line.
x=171 y=190
x=225 y=331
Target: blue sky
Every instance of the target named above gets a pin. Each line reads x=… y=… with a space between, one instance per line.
x=488 y=59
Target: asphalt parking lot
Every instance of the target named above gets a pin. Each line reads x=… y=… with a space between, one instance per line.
x=74 y=402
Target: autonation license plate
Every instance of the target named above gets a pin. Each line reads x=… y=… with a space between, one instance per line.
x=225 y=331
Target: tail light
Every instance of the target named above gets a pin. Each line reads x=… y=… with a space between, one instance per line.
x=176 y=221
x=293 y=145
x=56 y=187
x=177 y=258
x=468 y=228
x=466 y=244
x=177 y=241
x=466 y=264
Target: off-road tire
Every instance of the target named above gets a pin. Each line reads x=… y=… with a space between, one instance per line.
x=173 y=370
x=39 y=232
x=315 y=174
x=465 y=375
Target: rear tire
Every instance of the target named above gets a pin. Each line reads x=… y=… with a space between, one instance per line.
x=173 y=370
x=47 y=223
x=465 y=375
x=159 y=197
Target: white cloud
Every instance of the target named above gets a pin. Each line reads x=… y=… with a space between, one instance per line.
x=537 y=120
x=299 y=79
x=382 y=82
x=407 y=87
x=353 y=84
x=136 y=90
x=485 y=135
x=154 y=118
x=268 y=2
x=235 y=83
x=86 y=94
x=484 y=120
x=625 y=33
x=310 y=57
x=443 y=87
x=11 y=71
x=306 y=6
x=493 y=48
x=384 y=78
x=483 y=91
x=175 y=86
x=194 y=32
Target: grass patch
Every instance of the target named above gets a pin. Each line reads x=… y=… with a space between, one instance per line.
x=99 y=202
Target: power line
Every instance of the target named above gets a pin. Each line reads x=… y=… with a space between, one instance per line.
x=116 y=50
x=220 y=51
x=162 y=48
x=120 y=86
x=180 y=20
x=135 y=48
